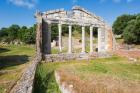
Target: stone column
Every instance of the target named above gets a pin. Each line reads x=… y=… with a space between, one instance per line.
x=83 y=40
x=101 y=39
x=91 y=39
x=60 y=37
x=70 y=40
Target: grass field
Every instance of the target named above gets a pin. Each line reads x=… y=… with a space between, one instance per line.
x=13 y=59
x=107 y=75
x=101 y=75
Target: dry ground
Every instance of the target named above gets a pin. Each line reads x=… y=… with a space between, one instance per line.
x=106 y=75
x=103 y=77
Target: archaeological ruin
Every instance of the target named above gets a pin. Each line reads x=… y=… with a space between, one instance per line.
x=77 y=16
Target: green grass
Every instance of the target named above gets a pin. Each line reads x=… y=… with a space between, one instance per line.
x=13 y=59
x=18 y=50
x=115 y=67
x=44 y=80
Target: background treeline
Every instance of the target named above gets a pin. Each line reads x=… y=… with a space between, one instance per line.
x=15 y=33
x=128 y=26
x=26 y=35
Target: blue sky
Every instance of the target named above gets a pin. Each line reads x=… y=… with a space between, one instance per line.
x=21 y=12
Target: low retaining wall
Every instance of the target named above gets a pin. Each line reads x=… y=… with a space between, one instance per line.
x=74 y=56
x=25 y=84
x=60 y=57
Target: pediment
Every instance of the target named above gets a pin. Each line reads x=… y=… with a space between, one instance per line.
x=77 y=15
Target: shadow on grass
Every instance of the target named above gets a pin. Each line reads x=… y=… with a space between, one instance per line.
x=13 y=60
x=4 y=50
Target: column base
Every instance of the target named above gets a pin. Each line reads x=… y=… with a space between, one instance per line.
x=69 y=52
x=83 y=53
x=91 y=52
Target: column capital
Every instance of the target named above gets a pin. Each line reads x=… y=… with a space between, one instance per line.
x=60 y=22
x=83 y=25
x=70 y=25
x=92 y=26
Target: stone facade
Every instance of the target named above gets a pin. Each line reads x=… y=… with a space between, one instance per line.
x=77 y=16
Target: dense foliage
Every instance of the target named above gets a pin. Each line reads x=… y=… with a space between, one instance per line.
x=17 y=33
x=27 y=34
x=131 y=33
x=121 y=23
x=128 y=26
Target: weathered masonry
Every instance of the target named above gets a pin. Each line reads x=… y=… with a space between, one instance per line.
x=78 y=16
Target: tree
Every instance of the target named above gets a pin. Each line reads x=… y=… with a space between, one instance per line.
x=137 y=30
x=29 y=35
x=22 y=32
x=13 y=32
x=3 y=32
x=128 y=34
x=121 y=22
x=131 y=33
x=54 y=31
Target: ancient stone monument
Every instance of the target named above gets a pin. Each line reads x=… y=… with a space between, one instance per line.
x=78 y=16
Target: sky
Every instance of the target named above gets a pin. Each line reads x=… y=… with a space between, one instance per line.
x=21 y=12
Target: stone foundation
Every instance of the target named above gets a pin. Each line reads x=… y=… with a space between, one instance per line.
x=74 y=56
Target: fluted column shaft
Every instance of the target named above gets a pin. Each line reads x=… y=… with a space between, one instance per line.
x=70 y=40
x=91 y=39
x=60 y=37
x=83 y=40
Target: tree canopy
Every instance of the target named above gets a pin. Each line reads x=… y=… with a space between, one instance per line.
x=15 y=32
x=129 y=27
x=121 y=22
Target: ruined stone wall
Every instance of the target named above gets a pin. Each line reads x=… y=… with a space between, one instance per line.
x=25 y=83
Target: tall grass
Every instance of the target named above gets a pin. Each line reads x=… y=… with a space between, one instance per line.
x=45 y=80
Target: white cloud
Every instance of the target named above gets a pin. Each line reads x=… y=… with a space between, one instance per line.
x=24 y=3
